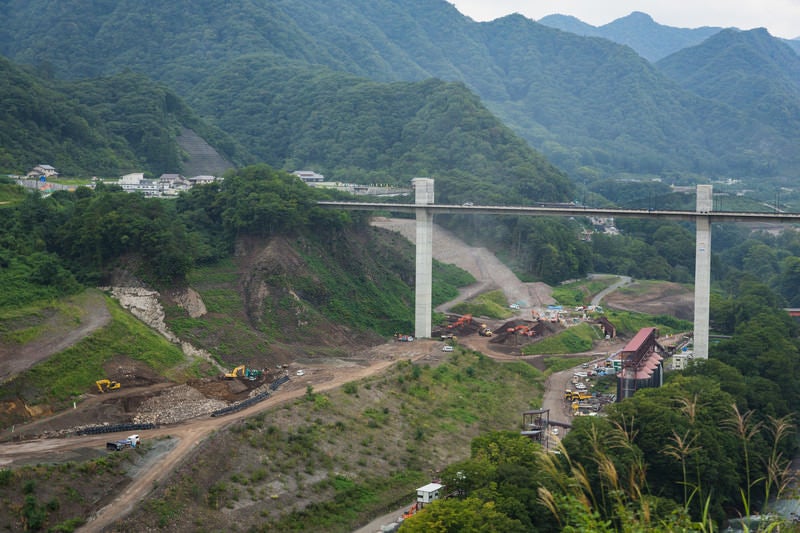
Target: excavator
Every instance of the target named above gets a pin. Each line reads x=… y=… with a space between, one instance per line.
x=238 y=372
x=105 y=385
x=465 y=319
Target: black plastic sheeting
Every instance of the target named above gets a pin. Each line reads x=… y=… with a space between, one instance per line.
x=241 y=405
x=278 y=382
x=97 y=430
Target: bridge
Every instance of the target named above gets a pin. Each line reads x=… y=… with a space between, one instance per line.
x=424 y=209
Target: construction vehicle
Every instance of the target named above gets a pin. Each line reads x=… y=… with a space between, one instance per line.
x=577 y=396
x=252 y=374
x=237 y=372
x=105 y=385
x=411 y=512
x=463 y=320
x=521 y=329
x=484 y=331
x=131 y=442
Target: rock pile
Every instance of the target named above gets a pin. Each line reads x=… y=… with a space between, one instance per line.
x=175 y=405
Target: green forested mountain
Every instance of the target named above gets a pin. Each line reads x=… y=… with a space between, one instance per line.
x=750 y=71
x=103 y=127
x=354 y=129
x=593 y=107
x=40 y=124
x=638 y=30
x=620 y=112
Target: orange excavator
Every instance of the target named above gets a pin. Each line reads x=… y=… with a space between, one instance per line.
x=522 y=329
x=464 y=319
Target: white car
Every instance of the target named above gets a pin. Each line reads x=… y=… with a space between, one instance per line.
x=447 y=348
x=580 y=386
x=514 y=306
x=301 y=372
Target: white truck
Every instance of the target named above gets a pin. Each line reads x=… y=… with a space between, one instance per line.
x=132 y=441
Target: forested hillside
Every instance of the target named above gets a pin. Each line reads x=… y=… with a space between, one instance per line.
x=40 y=124
x=353 y=129
x=101 y=127
x=771 y=93
x=595 y=108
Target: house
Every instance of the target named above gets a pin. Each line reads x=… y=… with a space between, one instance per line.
x=309 y=176
x=42 y=170
x=202 y=180
x=172 y=184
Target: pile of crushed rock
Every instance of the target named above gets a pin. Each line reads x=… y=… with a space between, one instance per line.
x=175 y=405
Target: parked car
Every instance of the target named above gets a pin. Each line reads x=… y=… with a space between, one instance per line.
x=447 y=348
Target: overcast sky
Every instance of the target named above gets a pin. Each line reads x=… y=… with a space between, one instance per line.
x=780 y=17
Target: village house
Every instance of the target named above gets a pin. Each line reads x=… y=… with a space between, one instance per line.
x=42 y=170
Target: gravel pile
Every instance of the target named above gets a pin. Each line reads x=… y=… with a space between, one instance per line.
x=175 y=405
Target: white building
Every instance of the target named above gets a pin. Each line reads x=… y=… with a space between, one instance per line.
x=309 y=176
x=130 y=182
x=429 y=493
x=202 y=180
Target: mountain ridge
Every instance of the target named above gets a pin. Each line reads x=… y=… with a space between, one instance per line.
x=624 y=117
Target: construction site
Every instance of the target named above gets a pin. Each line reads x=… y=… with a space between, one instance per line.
x=506 y=337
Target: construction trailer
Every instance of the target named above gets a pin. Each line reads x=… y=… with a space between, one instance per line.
x=428 y=493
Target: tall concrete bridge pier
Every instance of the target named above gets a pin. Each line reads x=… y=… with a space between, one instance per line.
x=702 y=270
x=423 y=308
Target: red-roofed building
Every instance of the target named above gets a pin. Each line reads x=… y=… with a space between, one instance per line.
x=642 y=366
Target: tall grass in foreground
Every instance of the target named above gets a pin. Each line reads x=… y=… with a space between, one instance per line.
x=620 y=502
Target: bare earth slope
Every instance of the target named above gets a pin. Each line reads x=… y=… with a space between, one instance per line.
x=490 y=272
x=58 y=330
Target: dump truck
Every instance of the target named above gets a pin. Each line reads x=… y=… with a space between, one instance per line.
x=578 y=396
x=485 y=331
x=105 y=385
x=132 y=441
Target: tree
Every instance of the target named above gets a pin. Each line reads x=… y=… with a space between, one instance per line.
x=460 y=516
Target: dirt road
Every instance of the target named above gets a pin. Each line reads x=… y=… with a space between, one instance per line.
x=490 y=272
x=189 y=435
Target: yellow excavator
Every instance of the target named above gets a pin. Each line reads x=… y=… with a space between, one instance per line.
x=237 y=372
x=105 y=385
